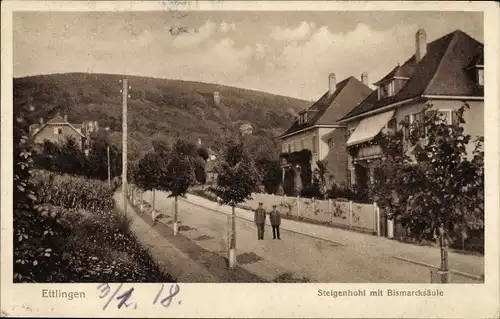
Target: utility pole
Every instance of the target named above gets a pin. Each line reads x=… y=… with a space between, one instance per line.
x=109 y=167
x=124 y=144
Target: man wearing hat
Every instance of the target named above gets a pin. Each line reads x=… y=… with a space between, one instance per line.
x=275 y=219
x=260 y=221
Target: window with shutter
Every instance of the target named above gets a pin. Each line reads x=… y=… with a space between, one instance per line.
x=314 y=146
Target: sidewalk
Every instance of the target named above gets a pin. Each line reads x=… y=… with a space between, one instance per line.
x=179 y=256
x=466 y=265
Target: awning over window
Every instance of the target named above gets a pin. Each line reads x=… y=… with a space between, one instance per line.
x=369 y=127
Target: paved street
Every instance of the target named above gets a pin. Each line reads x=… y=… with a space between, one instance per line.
x=332 y=255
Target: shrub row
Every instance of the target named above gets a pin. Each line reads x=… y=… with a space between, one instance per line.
x=101 y=247
x=73 y=192
x=93 y=241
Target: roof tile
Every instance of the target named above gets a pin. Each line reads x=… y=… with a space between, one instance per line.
x=442 y=71
x=348 y=93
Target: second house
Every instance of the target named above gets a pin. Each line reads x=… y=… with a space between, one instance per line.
x=316 y=135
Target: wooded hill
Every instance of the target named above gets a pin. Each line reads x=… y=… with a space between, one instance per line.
x=160 y=109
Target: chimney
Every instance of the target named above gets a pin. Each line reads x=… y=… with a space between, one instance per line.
x=420 y=45
x=66 y=118
x=332 y=83
x=216 y=98
x=364 y=78
x=41 y=121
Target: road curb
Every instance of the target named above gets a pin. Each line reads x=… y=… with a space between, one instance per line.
x=464 y=274
x=249 y=220
x=217 y=273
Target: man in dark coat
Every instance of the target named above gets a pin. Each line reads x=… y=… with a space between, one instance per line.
x=260 y=221
x=275 y=219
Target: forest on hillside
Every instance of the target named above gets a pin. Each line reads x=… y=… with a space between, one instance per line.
x=160 y=110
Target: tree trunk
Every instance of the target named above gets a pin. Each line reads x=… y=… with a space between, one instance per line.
x=141 y=203
x=232 y=239
x=444 y=260
x=153 y=211
x=176 y=208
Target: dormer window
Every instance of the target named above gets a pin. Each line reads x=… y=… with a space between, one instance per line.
x=480 y=76
x=386 y=90
x=302 y=118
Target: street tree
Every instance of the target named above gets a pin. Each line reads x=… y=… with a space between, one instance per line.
x=435 y=186
x=132 y=183
x=237 y=178
x=178 y=175
x=147 y=174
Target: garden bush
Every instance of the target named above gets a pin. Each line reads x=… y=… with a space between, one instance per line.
x=36 y=255
x=341 y=191
x=100 y=247
x=93 y=242
x=311 y=191
x=73 y=192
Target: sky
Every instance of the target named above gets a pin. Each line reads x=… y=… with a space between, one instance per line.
x=286 y=53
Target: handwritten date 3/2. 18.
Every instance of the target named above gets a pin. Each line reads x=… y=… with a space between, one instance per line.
x=124 y=296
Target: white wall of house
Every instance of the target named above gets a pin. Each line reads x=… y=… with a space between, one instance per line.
x=474 y=118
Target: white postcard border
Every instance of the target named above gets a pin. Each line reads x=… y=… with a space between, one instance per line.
x=263 y=300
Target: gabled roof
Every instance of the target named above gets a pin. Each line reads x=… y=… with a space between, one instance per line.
x=331 y=107
x=57 y=120
x=442 y=71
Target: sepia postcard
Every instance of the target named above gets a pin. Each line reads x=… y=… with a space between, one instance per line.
x=250 y=159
